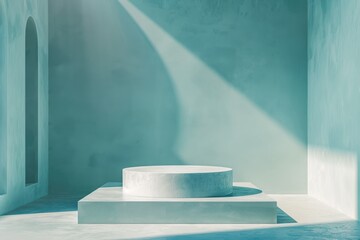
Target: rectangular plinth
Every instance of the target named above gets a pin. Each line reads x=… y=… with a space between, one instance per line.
x=110 y=205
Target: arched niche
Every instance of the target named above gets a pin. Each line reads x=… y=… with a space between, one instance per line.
x=31 y=103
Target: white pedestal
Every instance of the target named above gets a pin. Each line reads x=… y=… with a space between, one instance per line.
x=182 y=181
x=109 y=204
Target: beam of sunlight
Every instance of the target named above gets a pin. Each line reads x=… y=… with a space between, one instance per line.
x=333 y=178
x=219 y=125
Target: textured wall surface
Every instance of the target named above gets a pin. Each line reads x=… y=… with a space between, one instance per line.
x=3 y=96
x=334 y=96
x=13 y=18
x=178 y=82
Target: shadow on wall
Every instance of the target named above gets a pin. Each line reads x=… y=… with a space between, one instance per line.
x=221 y=126
x=186 y=83
x=259 y=48
x=112 y=102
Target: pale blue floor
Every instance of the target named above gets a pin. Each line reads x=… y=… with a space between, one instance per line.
x=339 y=231
x=59 y=212
x=63 y=203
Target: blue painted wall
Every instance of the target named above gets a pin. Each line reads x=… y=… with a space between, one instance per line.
x=220 y=83
x=334 y=97
x=3 y=100
x=13 y=17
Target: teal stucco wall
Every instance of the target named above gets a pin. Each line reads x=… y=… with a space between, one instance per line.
x=178 y=82
x=13 y=18
x=334 y=97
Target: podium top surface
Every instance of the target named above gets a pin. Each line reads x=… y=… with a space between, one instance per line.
x=178 y=169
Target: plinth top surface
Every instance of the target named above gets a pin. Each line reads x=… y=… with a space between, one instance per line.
x=178 y=169
x=243 y=192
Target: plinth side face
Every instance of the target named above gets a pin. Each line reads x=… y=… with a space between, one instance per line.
x=177 y=181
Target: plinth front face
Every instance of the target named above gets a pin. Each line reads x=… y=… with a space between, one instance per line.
x=179 y=181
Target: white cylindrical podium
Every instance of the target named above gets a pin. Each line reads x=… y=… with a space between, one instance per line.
x=177 y=181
